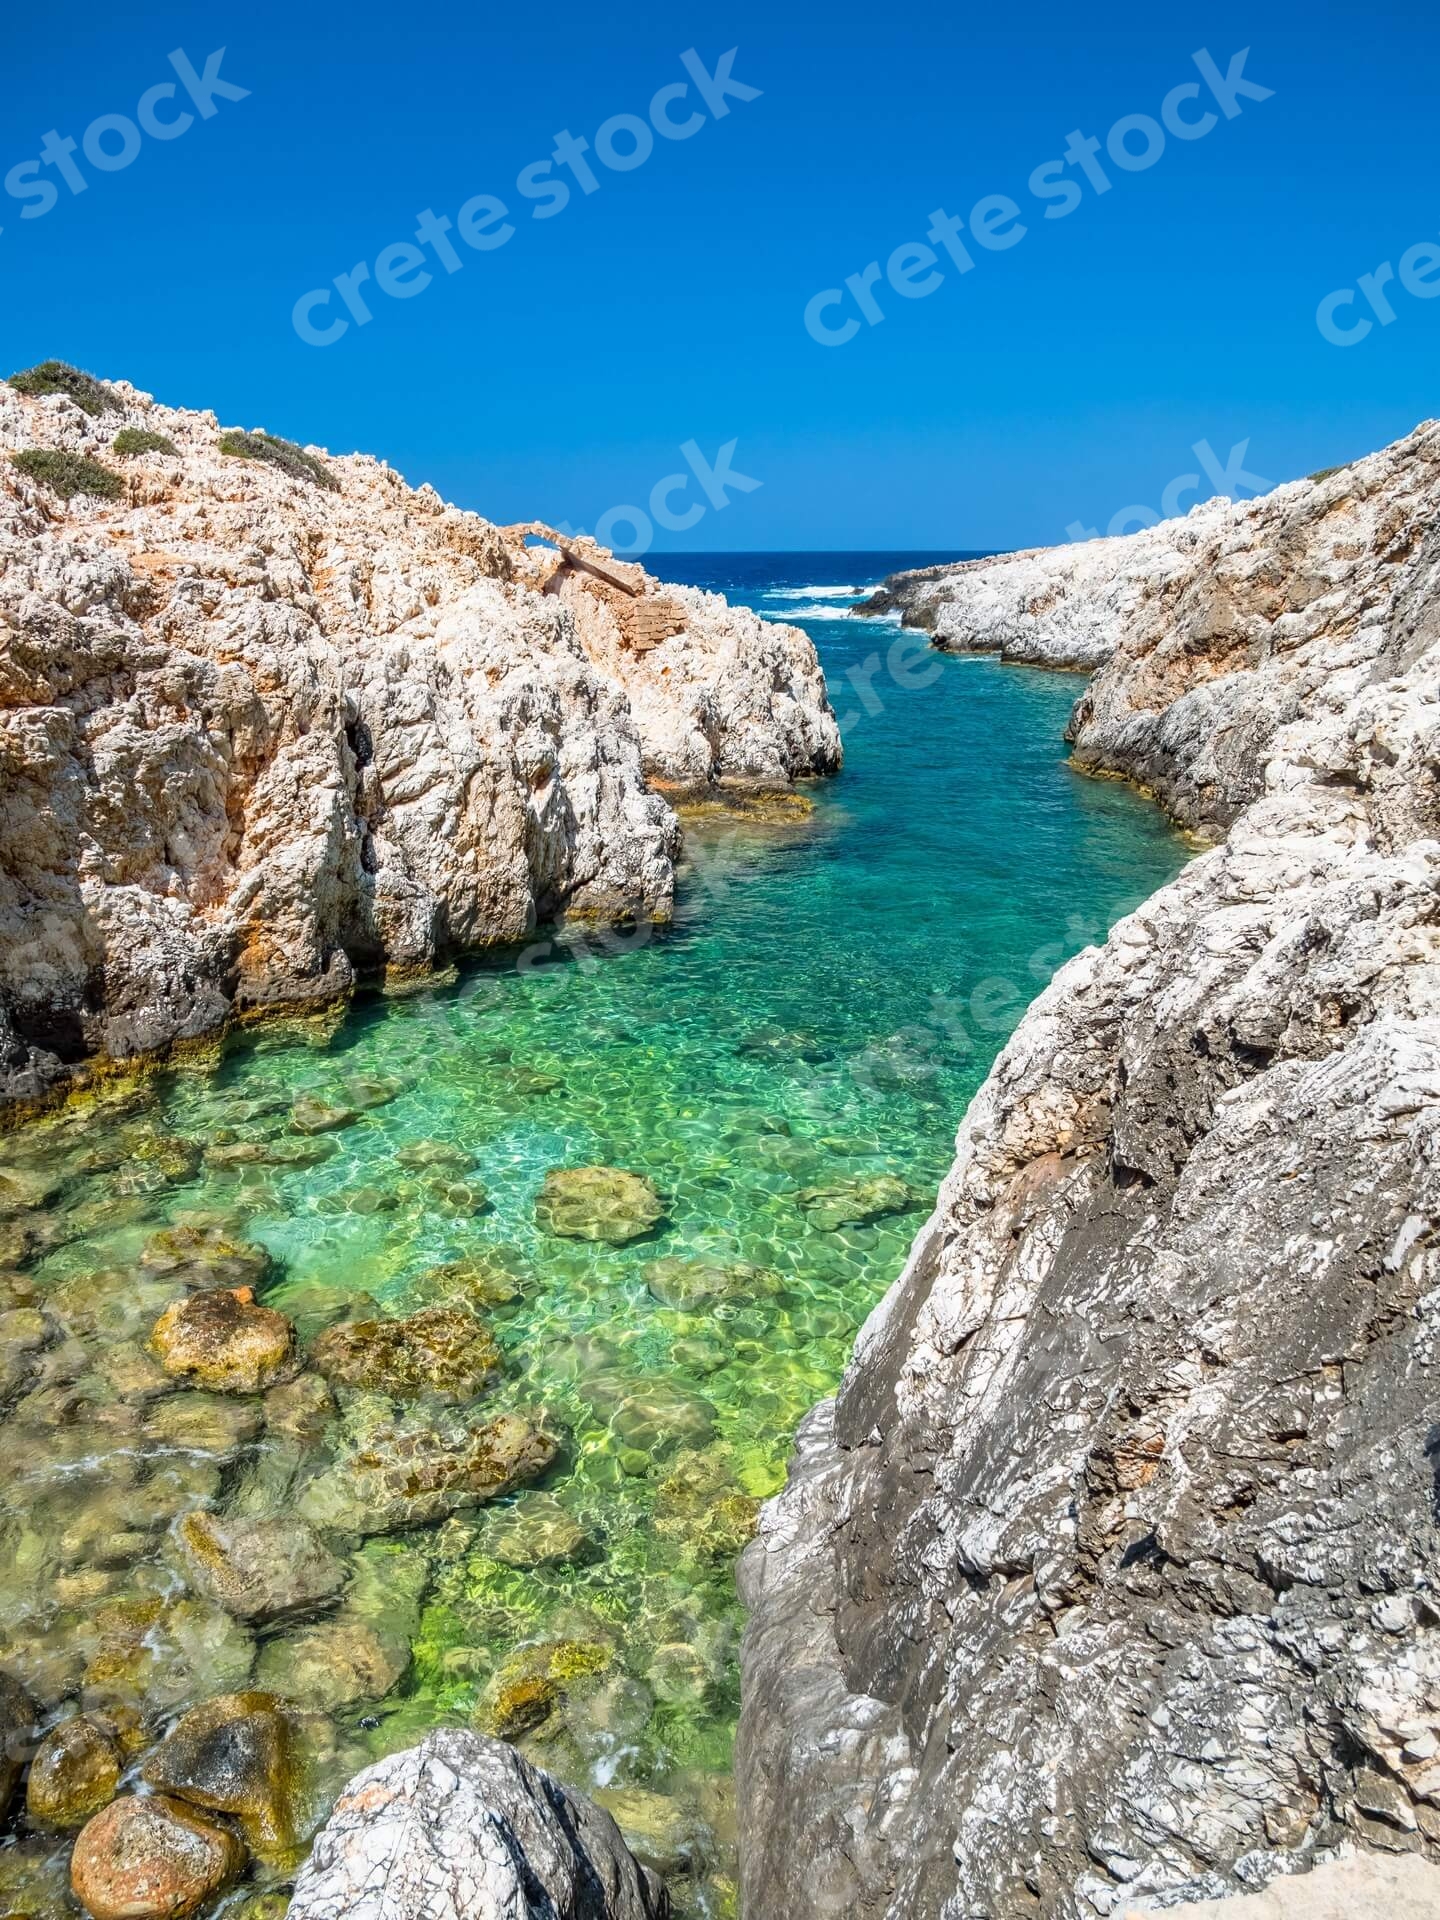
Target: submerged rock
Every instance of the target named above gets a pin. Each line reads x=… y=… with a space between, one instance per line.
x=662 y=1834
x=536 y=1532
x=535 y=1679
x=692 y=1285
x=460 y=1826
x=202 y=1423
x=152 y=1859
x=440 y=1350
x=416 y=1476
x=362 y=1651
x=76 y=1771
x=259 y=1570
x=856 y=1202
x=235 y=1755
x=597 y=1203
x=207 y=1252
x=311 y=1114
x=222 y=1341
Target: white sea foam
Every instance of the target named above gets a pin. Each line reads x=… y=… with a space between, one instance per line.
x=814 y=593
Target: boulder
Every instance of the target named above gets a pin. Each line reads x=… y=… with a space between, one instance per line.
x=416 y=1476
x=222 y=1341
x=76 y=1771
x=462 y=1828
x=202 y=1423
x=151 y=1859
x=334 y=1664
x=235 y=1755
x=300 y=1409
x=311 y=1114
x=535 y=1679
x=259 y=1570
x=440 y=1350
x=597 y=1203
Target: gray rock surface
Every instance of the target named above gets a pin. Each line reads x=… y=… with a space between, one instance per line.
x=256 y=735
x=1113 y=1573
x=1368 y=1886
x=461 y=1828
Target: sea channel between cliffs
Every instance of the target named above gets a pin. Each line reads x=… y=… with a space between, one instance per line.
x=782 y=1070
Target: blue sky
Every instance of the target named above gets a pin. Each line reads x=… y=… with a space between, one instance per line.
x=558 y=375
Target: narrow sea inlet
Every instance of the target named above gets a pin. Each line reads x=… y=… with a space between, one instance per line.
x=783 y=1072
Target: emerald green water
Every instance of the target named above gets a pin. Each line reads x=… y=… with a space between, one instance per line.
x=830 y=996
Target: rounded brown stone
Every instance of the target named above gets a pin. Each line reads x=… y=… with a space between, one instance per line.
x=75 y=1772
x=151 y=1859
x=223 y=1341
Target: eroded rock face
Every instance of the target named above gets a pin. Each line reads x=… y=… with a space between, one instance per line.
x=461 y=1828
x=256 y=734
x=1114 y=1570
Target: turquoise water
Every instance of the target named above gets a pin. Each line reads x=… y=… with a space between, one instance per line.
x=830 y=996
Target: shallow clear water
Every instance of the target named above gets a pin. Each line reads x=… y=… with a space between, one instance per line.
x=831 y=995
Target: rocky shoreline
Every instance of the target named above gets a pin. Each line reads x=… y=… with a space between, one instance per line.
x=271 y=720
x=1111 y=1575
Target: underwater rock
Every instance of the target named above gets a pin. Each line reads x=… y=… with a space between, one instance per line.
x=207 y=1251
x=692 y=1285
x=440 y=1156
x=462 y=1825
x=661 y=1834
x=76 y=1771
x=235 y=1755
x=367 y=1090
x=26 y=1190
x=597 y=1203
x=223 y=1342
x=652 y=1414
x=151 y=1859
x=311 y=1114
x=363 y=1650
x=334 y=1664
x=534 y=1680
x=487 y=1278
x=856 y=1202
x=699 y=1503
x=18 y=1717
x=440 y=1350
x=300 y=1409
x=259 y=1570
x=536 y=1532
x=162 y=1653
x=203 y=1423
x=415 y=1477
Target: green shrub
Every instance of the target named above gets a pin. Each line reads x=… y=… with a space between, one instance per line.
x=69 y=473
x=55 y=376
x=1325 y=473
x=280 y=453
x=141 y=440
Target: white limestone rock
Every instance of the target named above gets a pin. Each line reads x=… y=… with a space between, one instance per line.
x=461 y=1828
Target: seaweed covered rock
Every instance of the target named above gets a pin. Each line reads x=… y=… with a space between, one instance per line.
x=440 y=1350
x=224 y=1342
x=415 y=1476
x=236 y=1755
x=598 y=1203
x=259 y=1570
x=76 y=1771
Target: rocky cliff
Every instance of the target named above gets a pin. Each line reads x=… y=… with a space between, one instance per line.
x=269 y=718
x=1113 y=1575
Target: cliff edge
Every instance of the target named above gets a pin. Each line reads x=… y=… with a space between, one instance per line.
x=1112 y=1575
x=269 y=719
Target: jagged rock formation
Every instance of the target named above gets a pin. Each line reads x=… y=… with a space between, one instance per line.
x=461 y=1828
x=1113 y=1574
x=257 y=733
